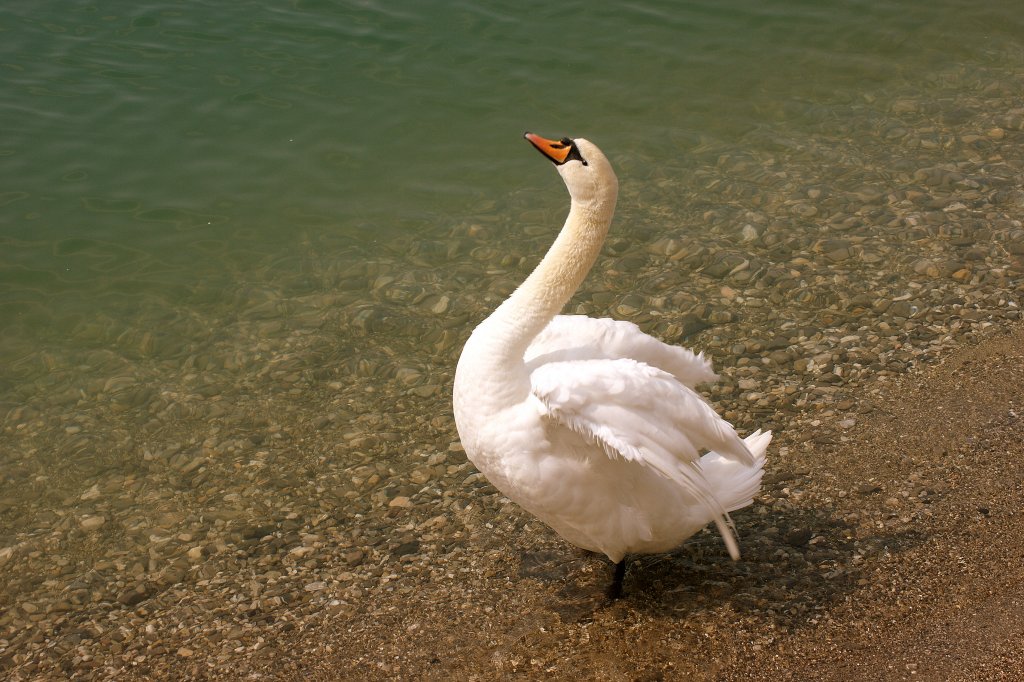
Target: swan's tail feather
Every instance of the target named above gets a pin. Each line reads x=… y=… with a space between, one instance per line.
x=728 y=533
x=734 y=484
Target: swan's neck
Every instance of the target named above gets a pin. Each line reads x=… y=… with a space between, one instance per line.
x=515 y=323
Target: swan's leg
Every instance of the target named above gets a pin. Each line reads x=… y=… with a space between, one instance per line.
x=615 y=589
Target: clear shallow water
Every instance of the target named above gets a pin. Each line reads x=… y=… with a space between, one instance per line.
x=157 y=154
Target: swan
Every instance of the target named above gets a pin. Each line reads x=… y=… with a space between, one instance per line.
x=589 y=424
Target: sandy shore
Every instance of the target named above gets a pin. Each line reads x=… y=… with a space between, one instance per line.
x=889 y=550
x=947 y=601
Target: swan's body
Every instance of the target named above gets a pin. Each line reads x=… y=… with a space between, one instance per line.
x=590 y=424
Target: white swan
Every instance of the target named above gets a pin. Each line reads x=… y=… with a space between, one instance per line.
x=590 y=424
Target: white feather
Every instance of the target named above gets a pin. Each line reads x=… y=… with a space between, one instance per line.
x=590 y=424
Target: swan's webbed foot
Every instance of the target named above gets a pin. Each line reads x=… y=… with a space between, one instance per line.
x=615 y=589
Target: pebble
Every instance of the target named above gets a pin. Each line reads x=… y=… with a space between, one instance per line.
x=797 y=537
x=92 y=493
x=136 y=594
x=91 y=523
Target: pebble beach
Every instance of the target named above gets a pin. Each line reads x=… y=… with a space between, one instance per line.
x=274 y=489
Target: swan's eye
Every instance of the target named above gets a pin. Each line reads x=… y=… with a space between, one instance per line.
x=565 y=142
x=574 y=151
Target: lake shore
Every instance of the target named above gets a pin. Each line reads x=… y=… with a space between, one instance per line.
x=270 y=484
x=945 y=600
x=920 y=501
x=278 y=501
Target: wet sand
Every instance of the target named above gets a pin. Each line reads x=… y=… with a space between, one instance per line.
x=947 y=600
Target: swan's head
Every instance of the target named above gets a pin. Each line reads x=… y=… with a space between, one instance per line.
x=585 y=170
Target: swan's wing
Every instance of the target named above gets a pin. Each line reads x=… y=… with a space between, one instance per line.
x=578 y=337
x=641 y=414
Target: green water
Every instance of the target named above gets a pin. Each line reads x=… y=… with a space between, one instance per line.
x=160 y=156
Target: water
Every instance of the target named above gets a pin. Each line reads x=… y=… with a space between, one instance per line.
x=240 y=245
x=158 y=154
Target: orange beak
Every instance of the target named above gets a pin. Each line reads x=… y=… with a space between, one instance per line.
x=556 y=150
